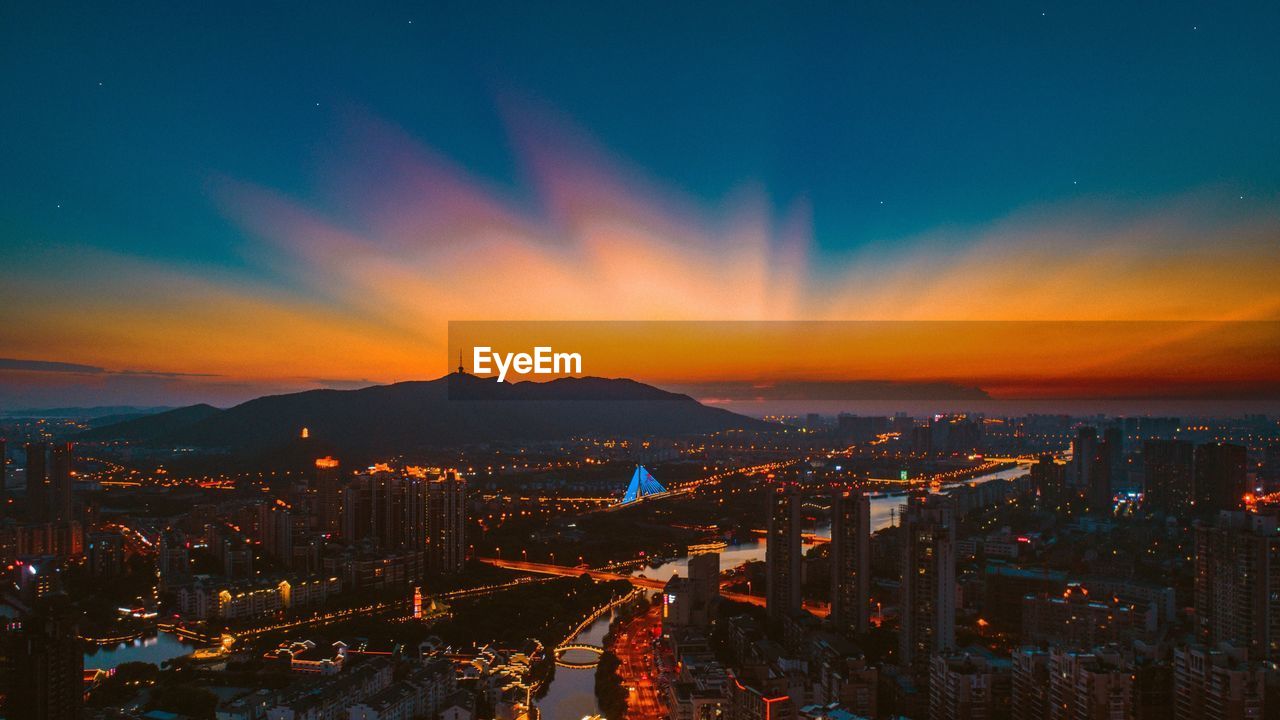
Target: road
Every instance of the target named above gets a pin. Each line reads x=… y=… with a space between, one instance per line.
x=634 y=648
x=819 y=609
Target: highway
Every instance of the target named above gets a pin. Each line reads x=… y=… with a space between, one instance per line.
x=634 y=648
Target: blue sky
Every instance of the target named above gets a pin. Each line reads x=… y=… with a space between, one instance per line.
x=881 y=123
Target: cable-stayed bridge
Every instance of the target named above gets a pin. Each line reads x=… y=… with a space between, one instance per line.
x=642 y=486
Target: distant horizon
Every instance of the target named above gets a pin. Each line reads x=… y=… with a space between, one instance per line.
x=761 y=407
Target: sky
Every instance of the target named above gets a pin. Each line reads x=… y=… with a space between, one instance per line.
x=214 y=202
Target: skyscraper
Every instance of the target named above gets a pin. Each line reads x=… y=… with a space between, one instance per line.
x=328 y=497
x=1220 y=477
x=1107 y=474
x=782 y=552
x=38 y=481
x=850 y=561
x=1167 y=468
x=1237 y=565
x=44 y=677
x=4 y=478
x=928 y=596
x=1094 y=685
x=1217 y=684
x=1084 y=451
x=446 y=523
x=60 y=483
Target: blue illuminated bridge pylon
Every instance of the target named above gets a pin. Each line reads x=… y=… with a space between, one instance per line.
x=642 y=485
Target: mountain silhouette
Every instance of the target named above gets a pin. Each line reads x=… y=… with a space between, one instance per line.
x=458 y=409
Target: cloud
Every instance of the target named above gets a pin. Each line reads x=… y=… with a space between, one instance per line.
x=368 y=292
x=48 y=366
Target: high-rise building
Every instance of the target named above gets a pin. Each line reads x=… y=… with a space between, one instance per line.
x=1167 y=476
x=1095 y=685
x=174 y=559
x=1048 y=478
x=968 y=687
x=1237 y=581
x=415 y=513
x=1217 y=684
x=1084 y=452
x=328 y=497
x=850 y=561
x=60 y=483
x=782 y=558
x=1106 y=476
x=688 y=602
x=928 y=594
x=1269 y=473
x=1074 y=619
x=105 y=554
x=4 y=478
x=446 y=523
x=1029 y=698
x=43 y=677
x=1220 y=478
x=38 y=481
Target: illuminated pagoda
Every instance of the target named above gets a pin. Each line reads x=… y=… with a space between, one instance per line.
x=642 y=485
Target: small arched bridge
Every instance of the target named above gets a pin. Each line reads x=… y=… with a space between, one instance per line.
x=595 y=650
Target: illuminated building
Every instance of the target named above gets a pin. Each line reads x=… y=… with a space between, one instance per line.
x=328 y=497
x=748 y=703
x=850 y=561
x=688 y=602
x=1048 y=478
x=1074 y=619
x=446 y=523
x=105 y=554
x=174 y=559
x=783 y=553
x=1237 y=578
x=928 y=596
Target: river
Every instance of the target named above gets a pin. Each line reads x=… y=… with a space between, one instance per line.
x=572 y=694
x=154 y=649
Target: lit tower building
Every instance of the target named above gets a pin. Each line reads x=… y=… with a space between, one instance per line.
x=850 y=561
x=1237 y=579
x=328 y=496
x=446 y=523
x=782 y=556
x=928 y=598
x=415 y=510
